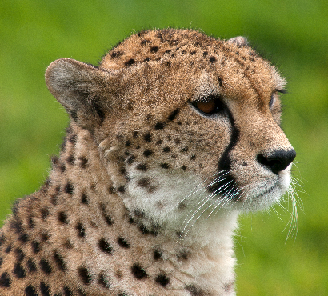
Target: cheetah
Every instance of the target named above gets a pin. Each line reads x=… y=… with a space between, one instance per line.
x=171 y=137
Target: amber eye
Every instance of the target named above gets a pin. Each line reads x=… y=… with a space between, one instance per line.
x=210 y=105
x=206 y=107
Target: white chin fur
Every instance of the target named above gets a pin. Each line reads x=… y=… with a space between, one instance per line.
x=262 y=195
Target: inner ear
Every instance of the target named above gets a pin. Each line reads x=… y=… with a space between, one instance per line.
x=80 y=88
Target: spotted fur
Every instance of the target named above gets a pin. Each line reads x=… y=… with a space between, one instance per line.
x=171 y=136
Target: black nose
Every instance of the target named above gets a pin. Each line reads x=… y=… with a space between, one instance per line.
x=277 y=160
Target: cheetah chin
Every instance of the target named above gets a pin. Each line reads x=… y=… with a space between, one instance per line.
x=170 y=138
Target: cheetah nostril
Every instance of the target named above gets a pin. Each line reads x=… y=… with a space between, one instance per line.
x=278 y=160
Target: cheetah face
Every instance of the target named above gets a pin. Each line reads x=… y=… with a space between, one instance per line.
x=183 y=121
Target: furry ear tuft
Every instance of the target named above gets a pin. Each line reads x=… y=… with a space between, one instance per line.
x=79 y=88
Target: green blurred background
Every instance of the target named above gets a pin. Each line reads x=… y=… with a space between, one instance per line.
x=293 y=34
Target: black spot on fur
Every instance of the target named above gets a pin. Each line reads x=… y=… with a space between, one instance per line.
x=159 y=125
x=84 y=275
x=45 y=236
x=16 y=224
x=45 y=266
x=166 y=149
x=153 y=231
x=44 y=213
x=31 y=223
x=23 y=238
x=80 y=230
x=173 y=115
x=59 y=261
x=141 y=167
x=138 y=272
x=193 y=157
x=62 y=217
x=69 y=188
x=121 y=189
x=154 y=49
x=8 y=249
x=72 y=138
x=111 y=190
x=45 y=289
x=19 y=271
x=116 y=54
x=129 y=62
x=70 y=160
x=62 y=168
x=0 y=262
x=30 y=265
x=144 y=182
x=2 y=239
x=162 y=279
x=35 y=247
x=139 y=213
x=128 y=143
x=123 y=243
x=147 y=137
x=83 y=162
x=220 y=81
x=147 y=153
x=102 y=281
x=157 y=254
x=105 y=246
x=30 y=291
x=131 y=159
x=183 y=254
x=212 y=59
x=183 y=167
x=5 y=280
x=73 y=114
x=107 y=217
x=165 y=165
x=19 y=255
x=184 y=149
x=84 y=199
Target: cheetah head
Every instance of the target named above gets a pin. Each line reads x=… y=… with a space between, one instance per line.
x=185 y=123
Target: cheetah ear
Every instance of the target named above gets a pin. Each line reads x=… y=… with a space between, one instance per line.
x=240 y=41
x=81 y=89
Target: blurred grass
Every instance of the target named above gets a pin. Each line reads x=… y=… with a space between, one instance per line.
x=293 y=34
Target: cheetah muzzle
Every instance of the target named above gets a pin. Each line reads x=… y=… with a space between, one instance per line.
x=171 y=136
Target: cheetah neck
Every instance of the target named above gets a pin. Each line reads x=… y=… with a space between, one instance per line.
x=80 y=228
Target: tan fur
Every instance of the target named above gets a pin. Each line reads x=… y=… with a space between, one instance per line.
x=144 y=197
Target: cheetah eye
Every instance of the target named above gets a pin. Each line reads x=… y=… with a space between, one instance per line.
x=209 y=105
x=273 y=96
x=271 y=101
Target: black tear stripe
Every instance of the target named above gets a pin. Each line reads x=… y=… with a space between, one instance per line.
x=227 y=186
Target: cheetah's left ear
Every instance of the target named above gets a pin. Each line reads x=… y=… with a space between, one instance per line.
x=84 y=90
